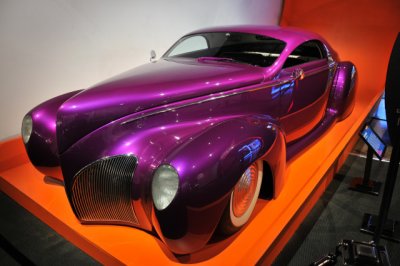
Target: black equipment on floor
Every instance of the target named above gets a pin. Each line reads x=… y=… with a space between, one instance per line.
x=356 y=253
x=375 y=146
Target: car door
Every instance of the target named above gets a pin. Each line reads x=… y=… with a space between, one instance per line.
x=308 y=69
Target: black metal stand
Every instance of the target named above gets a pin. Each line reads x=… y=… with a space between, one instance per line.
x=370 y=253
x=364 y=184
x=387 y=194
x=390 y=228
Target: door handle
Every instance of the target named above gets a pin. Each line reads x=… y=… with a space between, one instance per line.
x=298 y=73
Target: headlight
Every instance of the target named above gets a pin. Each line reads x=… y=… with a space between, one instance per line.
x=164 y=186
x=26 y=129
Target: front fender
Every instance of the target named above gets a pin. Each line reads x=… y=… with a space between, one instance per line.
x=209 y=154
x=42 y=145
x=211 y=163
x=209 y=166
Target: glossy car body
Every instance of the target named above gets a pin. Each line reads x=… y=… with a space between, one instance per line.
x=208 y=119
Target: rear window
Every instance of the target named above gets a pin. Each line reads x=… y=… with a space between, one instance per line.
x=306 y=52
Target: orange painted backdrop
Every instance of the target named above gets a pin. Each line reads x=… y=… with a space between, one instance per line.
x=362 y=31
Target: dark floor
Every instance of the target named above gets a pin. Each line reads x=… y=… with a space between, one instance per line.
x=25 y=240
x=337 y=215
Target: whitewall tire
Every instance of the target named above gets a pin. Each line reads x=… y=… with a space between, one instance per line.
x=243 y=199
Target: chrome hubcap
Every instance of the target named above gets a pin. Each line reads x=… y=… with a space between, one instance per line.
x=244 y=190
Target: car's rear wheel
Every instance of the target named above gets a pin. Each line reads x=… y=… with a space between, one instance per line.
x=243 y=199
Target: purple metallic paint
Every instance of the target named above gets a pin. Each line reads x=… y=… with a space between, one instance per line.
x=42 y=149
x=342 y=96
x=199 y=117
x=146 y=87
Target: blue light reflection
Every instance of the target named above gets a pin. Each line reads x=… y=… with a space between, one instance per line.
x=251 y=150
x=284 y=89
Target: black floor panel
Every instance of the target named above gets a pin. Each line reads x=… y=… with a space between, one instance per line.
x=24 y=240
x=338 y=215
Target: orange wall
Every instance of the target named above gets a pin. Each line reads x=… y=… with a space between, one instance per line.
x=362 y=31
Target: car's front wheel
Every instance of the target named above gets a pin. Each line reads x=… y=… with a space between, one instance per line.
x=243 y=199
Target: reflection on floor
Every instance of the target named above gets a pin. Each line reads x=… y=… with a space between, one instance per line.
x=338 y=214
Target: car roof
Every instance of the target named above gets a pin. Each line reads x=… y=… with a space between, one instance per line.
x=291 y=36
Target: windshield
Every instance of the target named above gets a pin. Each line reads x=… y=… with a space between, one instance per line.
x=246 y=48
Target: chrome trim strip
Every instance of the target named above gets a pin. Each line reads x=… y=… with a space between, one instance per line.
x=171 y=107
x=316 y=71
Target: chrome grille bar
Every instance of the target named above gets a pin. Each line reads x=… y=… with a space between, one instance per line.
x=101 y=191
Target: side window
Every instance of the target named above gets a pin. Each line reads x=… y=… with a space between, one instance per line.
x=190 y=44
x=306 y=52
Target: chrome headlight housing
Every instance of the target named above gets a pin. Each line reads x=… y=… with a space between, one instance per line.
x=164 y=186
x=26 y=129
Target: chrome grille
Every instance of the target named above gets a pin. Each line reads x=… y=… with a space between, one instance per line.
x=101 y=192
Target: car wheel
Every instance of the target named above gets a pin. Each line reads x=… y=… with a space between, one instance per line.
x=243 y=199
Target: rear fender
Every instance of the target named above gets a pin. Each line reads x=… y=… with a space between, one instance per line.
x=343 y=90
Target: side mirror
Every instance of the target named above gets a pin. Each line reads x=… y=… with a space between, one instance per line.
x=152 y=56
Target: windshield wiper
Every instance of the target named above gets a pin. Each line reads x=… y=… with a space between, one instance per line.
x=220 y=59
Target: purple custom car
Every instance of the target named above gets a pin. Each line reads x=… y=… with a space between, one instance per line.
x=185 y=145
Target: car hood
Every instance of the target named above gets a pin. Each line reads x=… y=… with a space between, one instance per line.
x=146 y=87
